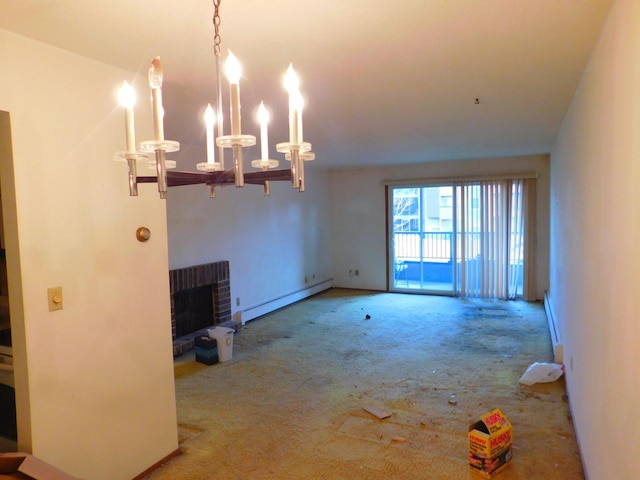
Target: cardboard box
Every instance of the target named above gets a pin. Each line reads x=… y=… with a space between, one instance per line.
x=26 y=466
x=490 y=444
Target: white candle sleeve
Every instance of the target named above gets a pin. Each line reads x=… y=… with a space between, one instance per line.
x=209 y=120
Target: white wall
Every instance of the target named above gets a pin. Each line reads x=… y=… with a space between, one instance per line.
x=358 y=214
x=595 y=207
x=94 y=381
x=271 y=242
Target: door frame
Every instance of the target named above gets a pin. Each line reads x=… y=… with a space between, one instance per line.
x=392 y=271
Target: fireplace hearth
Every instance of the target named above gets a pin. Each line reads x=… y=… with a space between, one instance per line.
x=200 y=298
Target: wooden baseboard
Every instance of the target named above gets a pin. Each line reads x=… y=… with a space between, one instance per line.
x=158 y=464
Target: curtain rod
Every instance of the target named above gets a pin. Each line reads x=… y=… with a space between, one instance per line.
x=475 y=178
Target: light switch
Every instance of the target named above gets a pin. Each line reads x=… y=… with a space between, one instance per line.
x=55 y=298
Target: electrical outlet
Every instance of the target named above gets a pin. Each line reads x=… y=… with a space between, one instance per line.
x=54 y=294
x=306 y=279
x=237 y=301
x=357 y=272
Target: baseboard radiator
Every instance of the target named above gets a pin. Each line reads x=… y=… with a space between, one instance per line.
x=556 y=340
x=274 y=304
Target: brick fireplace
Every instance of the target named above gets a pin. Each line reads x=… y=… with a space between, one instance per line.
x=200 y=297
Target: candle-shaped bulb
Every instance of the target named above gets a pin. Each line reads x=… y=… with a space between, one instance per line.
x=155 y=82
x=232 y=68
x=209 y=120
x=263 y=119
x=155 y=73
x=291 y=82
x=127 y=95
x=292 y=85
x=209 y=116
x=127 y=99
x=263 y=114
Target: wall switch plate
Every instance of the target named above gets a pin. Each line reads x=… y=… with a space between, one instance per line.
x=55 y=298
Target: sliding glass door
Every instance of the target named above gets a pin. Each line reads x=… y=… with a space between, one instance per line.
x=422 y=239
x=465 y=238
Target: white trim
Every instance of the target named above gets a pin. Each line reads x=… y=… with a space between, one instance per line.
x=269 y=306
x=556 y=340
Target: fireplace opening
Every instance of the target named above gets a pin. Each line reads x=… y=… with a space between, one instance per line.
x=193 y=310
x=200 y=298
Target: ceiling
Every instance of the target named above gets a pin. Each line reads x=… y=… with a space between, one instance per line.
x=384 y=83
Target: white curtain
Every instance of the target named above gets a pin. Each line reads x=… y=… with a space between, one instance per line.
x=491 y=218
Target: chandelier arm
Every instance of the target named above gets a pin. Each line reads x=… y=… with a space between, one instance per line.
x=258 y=178
x=180 y=178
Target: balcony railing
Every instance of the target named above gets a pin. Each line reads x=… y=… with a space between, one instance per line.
x=425 y=260
x=425 y=246
x=438 y=246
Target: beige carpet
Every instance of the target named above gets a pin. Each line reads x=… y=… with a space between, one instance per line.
x=290 y=404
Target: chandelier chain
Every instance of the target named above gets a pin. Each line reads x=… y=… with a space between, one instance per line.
x=216 y=25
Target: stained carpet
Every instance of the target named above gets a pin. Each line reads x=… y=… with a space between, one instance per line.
x=291 y=403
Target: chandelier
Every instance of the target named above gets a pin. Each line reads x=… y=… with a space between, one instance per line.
x=213 y=172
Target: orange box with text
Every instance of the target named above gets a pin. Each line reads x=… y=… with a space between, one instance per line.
x=490 y=444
